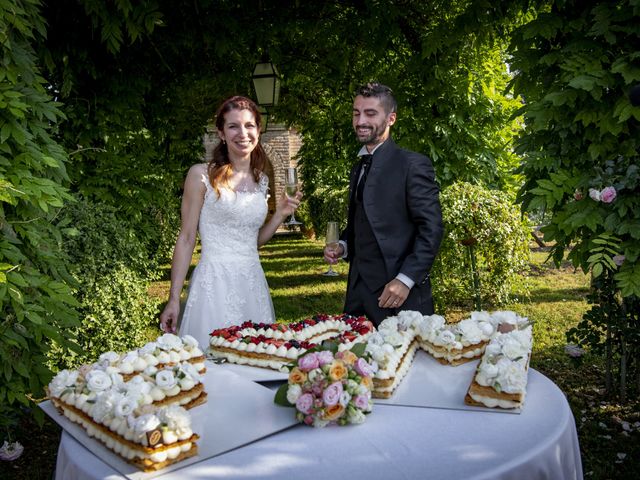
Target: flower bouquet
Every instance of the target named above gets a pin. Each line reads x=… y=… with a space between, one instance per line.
x=327 y=386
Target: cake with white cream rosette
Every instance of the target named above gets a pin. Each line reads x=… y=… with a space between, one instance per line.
x=135 y=403
x=501 y=377
x=398 y=338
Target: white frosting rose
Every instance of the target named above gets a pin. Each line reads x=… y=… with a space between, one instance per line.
x=169 y=341
x=470 y=331
x=145 y=423
x=63 y=380
x=175 y=417
x=189 y=341
x=125 y=407
x=109 y=357
x=98 y=381
x=446 y=337
x=166 y=380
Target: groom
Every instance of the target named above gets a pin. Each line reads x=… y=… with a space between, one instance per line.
x=394 y=227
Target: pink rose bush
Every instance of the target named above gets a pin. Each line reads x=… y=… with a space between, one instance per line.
x=606 y=195
x=328 y=387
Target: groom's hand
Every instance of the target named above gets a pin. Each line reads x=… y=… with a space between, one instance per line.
x=394 y=294
x=332 y=256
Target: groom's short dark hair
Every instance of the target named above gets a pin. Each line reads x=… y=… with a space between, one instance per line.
x=382 y=93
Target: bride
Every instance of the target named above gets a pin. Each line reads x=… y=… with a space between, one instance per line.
x=225 y=201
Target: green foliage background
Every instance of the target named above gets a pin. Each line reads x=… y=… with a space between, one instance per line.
x=104 y=104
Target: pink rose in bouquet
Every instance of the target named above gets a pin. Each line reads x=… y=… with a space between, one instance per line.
x=332 y=393
x=305 y=403
x=308 y=362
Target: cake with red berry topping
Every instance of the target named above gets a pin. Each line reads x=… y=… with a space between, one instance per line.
x=276 y=345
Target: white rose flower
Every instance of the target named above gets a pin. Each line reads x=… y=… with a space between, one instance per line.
x=490 y=370
x=189 y=341
x=375 y=339
x=166 y=380
x=145 y=423
x=481 y=316
x=125 y=407
x=63 y=380
x=190 y=370
x=105 y=405
x=150 y=371
x=513 y=379
x=148 y=349
x=109 y=358
x=315 y=374
x=345 y=398
x=98 y=381
x=169 y=341
x=137 y=386
x=175 y=417
x=469 y=331
x=506 y=316
x=395 y=339
x=446 y=337
x=355 y=416
x=513 y=349
x=293 y=393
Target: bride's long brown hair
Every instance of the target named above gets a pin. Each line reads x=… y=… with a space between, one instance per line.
x=219 y=168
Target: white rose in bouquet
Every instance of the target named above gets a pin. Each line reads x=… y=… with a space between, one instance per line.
x=293 y=393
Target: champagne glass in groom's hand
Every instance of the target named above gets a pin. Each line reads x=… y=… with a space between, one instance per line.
x=332 y=245
x=291 y=188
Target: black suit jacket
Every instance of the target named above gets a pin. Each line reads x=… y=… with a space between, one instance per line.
x=401 y=201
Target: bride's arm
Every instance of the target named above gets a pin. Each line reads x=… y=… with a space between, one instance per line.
x=192 y=200
x=285 y=207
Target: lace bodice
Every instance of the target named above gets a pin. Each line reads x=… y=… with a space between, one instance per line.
x=229 y=223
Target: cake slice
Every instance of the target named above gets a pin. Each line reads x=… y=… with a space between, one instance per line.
x=500 y=380
x=393 y=347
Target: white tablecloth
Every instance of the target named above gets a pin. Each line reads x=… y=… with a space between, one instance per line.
x=394 y=443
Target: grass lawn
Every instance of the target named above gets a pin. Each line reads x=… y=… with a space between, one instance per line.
x=609 y=432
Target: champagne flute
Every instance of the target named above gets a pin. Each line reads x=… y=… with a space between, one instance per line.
x=331 y=242
x=291 y=187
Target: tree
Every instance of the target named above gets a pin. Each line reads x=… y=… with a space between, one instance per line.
x=574 y=65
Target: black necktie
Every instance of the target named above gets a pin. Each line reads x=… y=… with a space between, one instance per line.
x=365 y=164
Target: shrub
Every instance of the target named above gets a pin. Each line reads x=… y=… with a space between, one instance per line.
x=111 y=262
x=490 y=226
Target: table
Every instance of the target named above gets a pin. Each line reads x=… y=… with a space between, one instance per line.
x=395 y=442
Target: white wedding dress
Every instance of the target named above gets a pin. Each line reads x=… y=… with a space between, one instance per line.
x=228 y=285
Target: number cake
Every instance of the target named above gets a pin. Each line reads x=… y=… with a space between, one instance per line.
x=276 y=345
x=135 y=403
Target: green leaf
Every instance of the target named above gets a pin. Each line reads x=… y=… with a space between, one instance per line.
x=597 y=270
